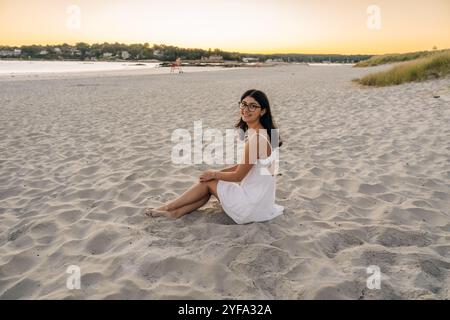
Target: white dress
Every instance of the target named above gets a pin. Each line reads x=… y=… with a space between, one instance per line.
x=254 y=199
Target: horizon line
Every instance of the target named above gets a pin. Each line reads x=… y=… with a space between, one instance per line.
x=249 y=53
x=176 y=46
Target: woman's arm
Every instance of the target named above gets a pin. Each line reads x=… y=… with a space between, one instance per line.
x=241 y=169
x=230 y=169
x=235 y=176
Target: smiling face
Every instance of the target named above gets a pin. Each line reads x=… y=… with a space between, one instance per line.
x=249 y=116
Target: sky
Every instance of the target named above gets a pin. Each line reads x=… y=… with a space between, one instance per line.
x=252 y=26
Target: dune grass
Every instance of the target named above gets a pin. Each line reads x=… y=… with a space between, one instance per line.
x=429 y=67
x=392 y=58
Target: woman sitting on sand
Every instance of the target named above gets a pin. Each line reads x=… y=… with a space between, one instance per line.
x=253 y=199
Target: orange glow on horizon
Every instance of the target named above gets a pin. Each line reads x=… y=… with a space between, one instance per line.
x=250 y=26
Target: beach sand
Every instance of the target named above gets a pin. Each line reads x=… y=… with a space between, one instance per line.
x=365 y=180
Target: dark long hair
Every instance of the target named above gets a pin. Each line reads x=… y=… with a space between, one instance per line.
x=266 y=119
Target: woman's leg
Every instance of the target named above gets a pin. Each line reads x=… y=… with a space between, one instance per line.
x=189 y=201
x=193 y=194
x=177 y=213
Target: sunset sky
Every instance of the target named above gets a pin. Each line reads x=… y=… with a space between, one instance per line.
x=253 y=26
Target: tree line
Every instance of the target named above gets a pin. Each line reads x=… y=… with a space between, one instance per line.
x=162 y=52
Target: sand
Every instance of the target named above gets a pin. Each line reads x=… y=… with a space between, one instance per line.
x=365 y=180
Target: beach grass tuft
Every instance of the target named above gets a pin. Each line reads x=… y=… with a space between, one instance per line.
x=431 y=66
x=393 y=58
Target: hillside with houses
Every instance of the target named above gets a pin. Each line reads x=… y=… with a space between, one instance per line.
x=141 y=52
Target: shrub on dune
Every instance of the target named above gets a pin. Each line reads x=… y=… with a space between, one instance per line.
x=431 y=66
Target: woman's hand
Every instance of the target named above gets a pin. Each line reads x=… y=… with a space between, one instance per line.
x=208 y=175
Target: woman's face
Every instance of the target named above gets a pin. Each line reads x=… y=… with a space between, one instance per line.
x=250 y=110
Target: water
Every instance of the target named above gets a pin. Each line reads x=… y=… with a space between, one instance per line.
x=328 y=64
x=34 y=67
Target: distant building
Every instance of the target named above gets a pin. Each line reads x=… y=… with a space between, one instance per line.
x=107 y=55
x=250 y=59
x=212 y=58
x=158 y=53
x=75 y=52
x=57 y=50
x=10 y=53
x=125 y=55
x=43 y=52
x=274 y=60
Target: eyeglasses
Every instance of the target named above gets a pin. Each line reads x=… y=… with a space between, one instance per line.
x=250 y=107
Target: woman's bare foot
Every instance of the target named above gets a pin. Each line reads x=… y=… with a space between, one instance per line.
x=152 y=212
x=163 y=208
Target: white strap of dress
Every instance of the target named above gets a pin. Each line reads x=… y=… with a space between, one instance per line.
x=273 y=155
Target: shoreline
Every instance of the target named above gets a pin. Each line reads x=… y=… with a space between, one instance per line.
x=141 y=67
x=107 y=73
